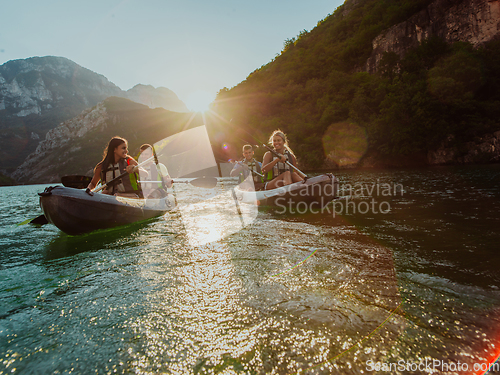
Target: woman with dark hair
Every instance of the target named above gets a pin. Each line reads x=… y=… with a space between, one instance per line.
x=277 y=172
x=115 y=162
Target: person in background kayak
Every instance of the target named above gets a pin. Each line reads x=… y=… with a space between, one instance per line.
x=248 y=166
x=116 y=161
x=155 y=172
x=277 y=172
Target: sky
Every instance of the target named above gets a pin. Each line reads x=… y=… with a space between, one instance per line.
x=192 y=47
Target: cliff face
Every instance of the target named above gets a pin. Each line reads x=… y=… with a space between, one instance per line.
x=474 y=21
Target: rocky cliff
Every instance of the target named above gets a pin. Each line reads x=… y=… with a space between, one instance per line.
x=474 y=21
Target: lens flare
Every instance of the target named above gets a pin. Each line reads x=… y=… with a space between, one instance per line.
x=345 y=144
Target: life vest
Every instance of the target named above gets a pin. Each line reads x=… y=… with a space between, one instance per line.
x=280 y=167
x=124 y=185
x=252 y=165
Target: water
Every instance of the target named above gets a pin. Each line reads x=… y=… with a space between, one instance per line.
x=339 y=291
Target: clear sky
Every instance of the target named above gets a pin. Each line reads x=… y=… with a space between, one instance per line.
x=192 y=47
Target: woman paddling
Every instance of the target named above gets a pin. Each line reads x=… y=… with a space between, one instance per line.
x=115 y=162
x=278 y=172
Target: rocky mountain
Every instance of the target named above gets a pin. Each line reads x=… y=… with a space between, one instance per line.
x=76 y=145
x=38 y=93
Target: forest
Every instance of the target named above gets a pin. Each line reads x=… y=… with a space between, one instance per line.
x=336 y=114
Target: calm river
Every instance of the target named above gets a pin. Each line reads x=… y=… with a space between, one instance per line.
x=399 y=276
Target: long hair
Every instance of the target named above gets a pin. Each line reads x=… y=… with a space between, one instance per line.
x=108 y=156
x=279 y=133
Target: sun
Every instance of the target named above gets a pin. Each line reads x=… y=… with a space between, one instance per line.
x=199 y=100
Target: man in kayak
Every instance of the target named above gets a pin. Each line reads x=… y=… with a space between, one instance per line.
x=116 y=161
x=278 y=173
x=248 y=166
x=156 y=173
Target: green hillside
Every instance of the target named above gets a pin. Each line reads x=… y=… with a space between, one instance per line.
x=317 y=92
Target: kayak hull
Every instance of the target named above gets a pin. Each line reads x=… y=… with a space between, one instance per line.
x=76 y=212
x=314 y=192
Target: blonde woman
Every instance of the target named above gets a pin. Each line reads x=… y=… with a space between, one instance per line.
x=277 y=172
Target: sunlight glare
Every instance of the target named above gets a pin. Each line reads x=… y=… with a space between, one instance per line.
x=199 y=100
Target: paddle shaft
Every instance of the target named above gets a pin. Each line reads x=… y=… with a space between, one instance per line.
x=205 y=182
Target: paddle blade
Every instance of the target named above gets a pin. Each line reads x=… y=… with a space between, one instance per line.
x=40 y=220
x=77 y=182
x=204 y=182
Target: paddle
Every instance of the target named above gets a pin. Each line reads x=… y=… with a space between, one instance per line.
x=40 y=220
x=203 y=182
x=76 y=181
x=301 y=174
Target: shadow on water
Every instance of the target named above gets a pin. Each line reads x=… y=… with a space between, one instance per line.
x=65 y=245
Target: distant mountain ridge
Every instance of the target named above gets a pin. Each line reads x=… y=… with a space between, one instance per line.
x=38 y=93
x=156 y=97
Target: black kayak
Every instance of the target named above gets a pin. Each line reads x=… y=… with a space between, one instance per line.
x=314 y=192
x=74 y=211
